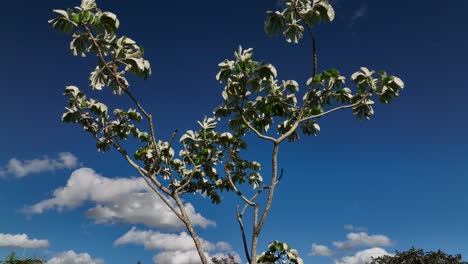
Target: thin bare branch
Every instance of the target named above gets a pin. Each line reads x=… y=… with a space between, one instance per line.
x=247 y=123
x=281 y=175
x=194 y=170
x=334 y=110
x=234 y=187
x=314 y=43
x=259 y=191
x=244 y=239
x=142 y=172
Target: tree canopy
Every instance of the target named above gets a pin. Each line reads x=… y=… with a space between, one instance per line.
x=418 y=256
x=210 y=159
x=12 y=258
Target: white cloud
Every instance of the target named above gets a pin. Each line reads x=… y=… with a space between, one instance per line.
x=118 y=200
x=355 y=228
x=177 y=257
x=173 y=248
x=363 y=257
x=164 y=241
x=21 y=241
x=187 y=257
x=362 y=239
x=20 y=169
x=70 y=257
x=161 y=241
x=320 y=250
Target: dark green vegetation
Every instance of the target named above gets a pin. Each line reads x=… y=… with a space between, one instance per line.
x=418 y=256
x=13 y=259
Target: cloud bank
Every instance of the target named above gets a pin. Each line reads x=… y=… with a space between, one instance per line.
x=117 y=200
x=363 y=257
x=70 y=257
x=320 y=250
x=369 y=246
x=362 y=239
x=20 y=169
x=173 y=248
x=21 y=241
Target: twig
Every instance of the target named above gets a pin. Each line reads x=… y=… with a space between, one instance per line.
x=260 y=135
x=244 y=239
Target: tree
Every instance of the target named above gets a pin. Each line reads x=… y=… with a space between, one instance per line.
x=13 y=259
x=255 y=101
x=230 y=259
x=418 y=256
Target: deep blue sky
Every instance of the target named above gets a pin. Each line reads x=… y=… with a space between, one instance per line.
x=403 y=174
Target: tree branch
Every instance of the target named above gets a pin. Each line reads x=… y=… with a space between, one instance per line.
x=188 y=224
x=133 y=98
x=246 y=122
x=244 y=239
x=241 y=195
x=142 y=172
x=314 y=43
x=195 y=168
x=334 y=110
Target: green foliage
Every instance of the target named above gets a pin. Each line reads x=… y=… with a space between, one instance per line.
x=297 y=14
x=253 y=93
x=12 y=258
x=280 y=253
x=95 y=30
x=418 y=256
x=210 y=161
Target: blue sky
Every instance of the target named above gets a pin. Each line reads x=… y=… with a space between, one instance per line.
x=396 y=181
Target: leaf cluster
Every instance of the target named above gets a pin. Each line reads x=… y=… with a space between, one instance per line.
x=254 y=99
x=94 y=30
x=297 y=14
x=280 y=253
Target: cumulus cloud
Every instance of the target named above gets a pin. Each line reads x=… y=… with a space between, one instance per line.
x=20 y=169
x=117 y=200
x=362 y=239
x=187 y=257
x=21 y=241
x=363 y=257
x=162 y=241
x=320 y=250
x=173 y=248
x=70 y=257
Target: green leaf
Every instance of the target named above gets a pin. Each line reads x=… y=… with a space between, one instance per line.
x=72 y=91
x=293 y=32
x=109 y=22
x=134 y=115
x=80 y=44
x=274 y=23
x=325 y=10
x=64 y=22
x=99 y=77
x=88 y=5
